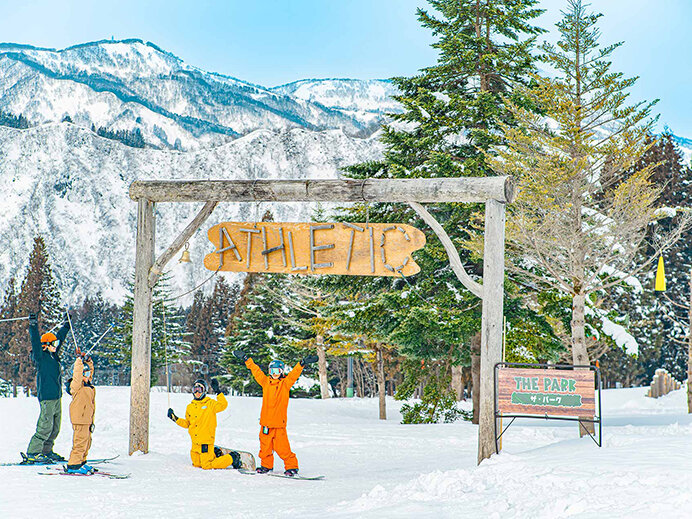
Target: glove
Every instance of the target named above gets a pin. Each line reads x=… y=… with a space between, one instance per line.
x=171 y=415
x=310 y=359
x=240 y=355
x=33 y=320
x=215 y=385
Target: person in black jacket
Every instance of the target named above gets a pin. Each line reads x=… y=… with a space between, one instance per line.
x=45 y=353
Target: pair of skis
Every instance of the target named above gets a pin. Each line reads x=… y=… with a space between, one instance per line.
x=62 y=471
x=25 y=462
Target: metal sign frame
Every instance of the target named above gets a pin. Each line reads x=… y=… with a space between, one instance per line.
x=545 y=416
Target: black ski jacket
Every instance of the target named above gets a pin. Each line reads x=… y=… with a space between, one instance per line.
x=48 y=377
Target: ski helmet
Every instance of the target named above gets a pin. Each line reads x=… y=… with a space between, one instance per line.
x=200 y=383
x=276 y=367
x=47 y=339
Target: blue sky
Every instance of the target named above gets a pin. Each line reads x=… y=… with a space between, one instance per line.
x=271 y=42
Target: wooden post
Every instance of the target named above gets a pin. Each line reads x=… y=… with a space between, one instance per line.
x=491 y=325
x=381 y=382
x=322 y=367
x=141 y=329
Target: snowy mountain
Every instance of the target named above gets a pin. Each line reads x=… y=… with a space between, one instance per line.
x=62 y=180
x=127 y=84
x=366 y=101
x=71 y=186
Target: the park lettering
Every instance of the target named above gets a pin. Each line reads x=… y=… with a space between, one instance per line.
x=374 y=249
x=546 y=391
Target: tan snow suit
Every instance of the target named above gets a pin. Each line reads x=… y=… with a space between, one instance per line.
x=82 y=410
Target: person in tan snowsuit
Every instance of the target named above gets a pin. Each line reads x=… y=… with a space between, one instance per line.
x=82 y=409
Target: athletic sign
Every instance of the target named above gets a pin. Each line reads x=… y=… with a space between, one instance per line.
x=358 y=249
x=556 y=392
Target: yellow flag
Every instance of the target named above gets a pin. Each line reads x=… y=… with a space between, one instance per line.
x=660 y=276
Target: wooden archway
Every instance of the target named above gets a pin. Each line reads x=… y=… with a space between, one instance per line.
x=494 y=192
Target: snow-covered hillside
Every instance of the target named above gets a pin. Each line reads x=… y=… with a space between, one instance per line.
x=122 y=85
x=363 y=100
x=373 y=468
x=71 y=186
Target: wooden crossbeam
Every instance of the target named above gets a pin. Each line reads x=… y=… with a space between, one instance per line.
x=422 y=190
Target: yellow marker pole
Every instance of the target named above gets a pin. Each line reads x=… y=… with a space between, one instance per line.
x=660 y=284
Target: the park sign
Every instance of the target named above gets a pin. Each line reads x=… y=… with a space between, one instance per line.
x=556 y=392
x=363 y=249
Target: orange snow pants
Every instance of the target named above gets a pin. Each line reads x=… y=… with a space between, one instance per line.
x=203 y=456
x=276 y=439
x=81 y=442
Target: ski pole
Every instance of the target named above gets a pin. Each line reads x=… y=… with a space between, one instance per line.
x=13 y=319
x=99 y=340
x=76 y=348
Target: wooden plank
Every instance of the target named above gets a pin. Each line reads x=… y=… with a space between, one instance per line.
x=555 y=392
x=178 y=243
x=464 y=189
x=141 y=329
x=491 y=322
x=315 y=248
x=452 y=253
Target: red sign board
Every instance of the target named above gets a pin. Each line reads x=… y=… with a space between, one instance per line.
x=556 y=392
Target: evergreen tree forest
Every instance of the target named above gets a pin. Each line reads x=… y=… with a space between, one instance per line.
x=602 y=196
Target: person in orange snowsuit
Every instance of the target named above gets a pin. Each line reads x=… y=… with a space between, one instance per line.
x=275 y=392
x=200 y=421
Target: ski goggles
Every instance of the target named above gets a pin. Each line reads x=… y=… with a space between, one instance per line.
x=198 y=388
x=275 y=371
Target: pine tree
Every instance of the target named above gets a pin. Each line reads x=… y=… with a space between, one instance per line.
x=167 y=332
x=90 y=321
x=582 y=211
x=8 y=310
x=452 y=116
x=659 y=321
x=206 y=325
x=38 y=295
x=255 y=329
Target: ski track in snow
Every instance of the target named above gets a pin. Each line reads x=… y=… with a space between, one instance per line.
x=373 y=468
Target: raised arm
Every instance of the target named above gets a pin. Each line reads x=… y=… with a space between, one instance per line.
x=77 y=376
x=220 y=403
x=259 y=375
x=61 y=334
x=34 y=336
x=294 y=374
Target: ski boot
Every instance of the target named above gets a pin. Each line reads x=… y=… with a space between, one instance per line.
x=237 y=463
x=78 y=469
x=54 y=456
x=291 y=472
x=36 y=459
x=263 y=470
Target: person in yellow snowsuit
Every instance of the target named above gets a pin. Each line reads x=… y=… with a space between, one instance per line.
x=275 y=393
x=200 y=421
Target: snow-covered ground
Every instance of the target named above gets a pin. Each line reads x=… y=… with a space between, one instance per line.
x=373 y=468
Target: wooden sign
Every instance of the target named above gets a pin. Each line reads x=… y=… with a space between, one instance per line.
x=554 y=392
x=357 y=249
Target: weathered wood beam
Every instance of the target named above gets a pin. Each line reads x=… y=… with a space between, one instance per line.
x=454 y=259
x=467 y=189
x=491 y=322
x=141 y=329
x=178 y=243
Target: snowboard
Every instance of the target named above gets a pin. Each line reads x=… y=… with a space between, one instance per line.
x=247 y=460
x=25 y=463
x=60 y=471
x=281 y=475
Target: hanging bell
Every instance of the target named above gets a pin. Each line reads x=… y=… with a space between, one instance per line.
x=185 y=256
